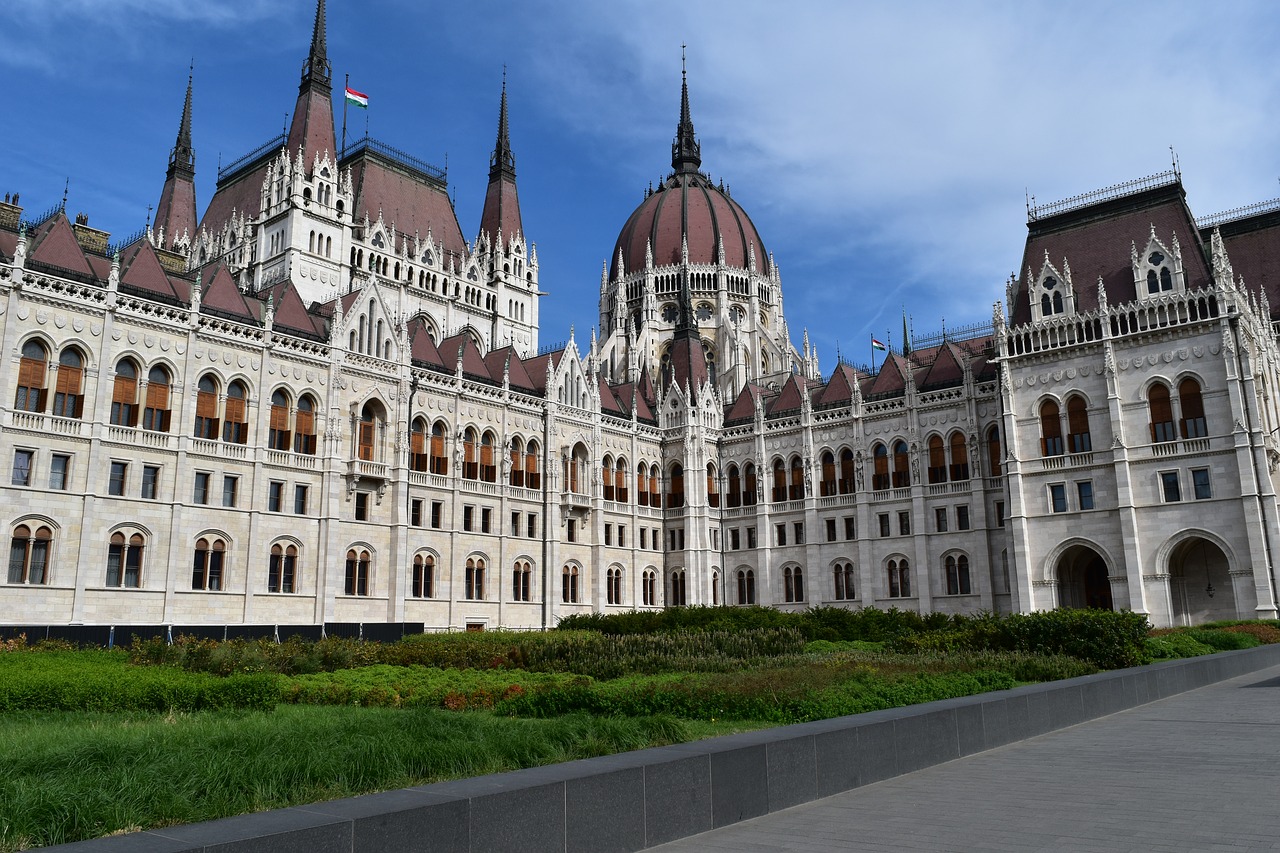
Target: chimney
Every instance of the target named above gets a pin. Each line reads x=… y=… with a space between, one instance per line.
x=10 y=213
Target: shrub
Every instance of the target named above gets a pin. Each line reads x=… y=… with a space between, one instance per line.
x=1174 y=645
x=1221 y=640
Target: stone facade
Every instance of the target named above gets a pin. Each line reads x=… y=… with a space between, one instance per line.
x=296 y=411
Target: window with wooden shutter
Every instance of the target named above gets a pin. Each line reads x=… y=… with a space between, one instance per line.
x=1161 y=413
x=365 y=437
x=278 y=437
x=206 y=425
x=304 y=427
x=439 y=461
x=1078 y=438
x=155 y=416
x=68 y=401
x=235 y=423
x=960 y=456
x=124 y=395
x=488 y=470
x=418 y=446
x=517 y=463
x=32 y=370
x=1193 y=422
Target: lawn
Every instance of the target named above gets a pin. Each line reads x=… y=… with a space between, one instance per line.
x=95 y=742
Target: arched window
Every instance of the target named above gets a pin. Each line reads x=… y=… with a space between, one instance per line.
x=517 y=462
x=532 y=467
x=155 y=417
x=880 y=469
x=746 y=586
x=474 y=580
x=569 y=585
x=846 y=472
x=418 y=445
x=1161 y=413
x=282 y=571
x=713 y=494
x=206 y=426
x=734 y=496
x=124 y=560
x=124 y=394
x=749 y=484
x=655 y=492
x=1046 y=306
x=994 y=454
x=279 y=437
x=1166 y=279
x=642 y=484
x=576 y=471
x=845 y=590
x=899 y=579
x=366 y=432
x=620 y=480
x=1153 y=282
x=304 y=426
x=235 y=423
x=29 y=555
x=470 y=455
x=613 y=585
x=828 y=484
x=32 y=371
x=779 y=481
x=958 y=575
x=715 y=589
x=1050 y=429
x=68 y=399
x=206 y=572
x=423 y=583
x=675 y=487
x=1193 y=422
x=521 y=577
x=901 y=465
x=648 y=588
x=959 y=456
x=679 y=589
x=796 y=492
x=606 y=478
x=1078 y=438
x=439 y=462
x=793 y=583
x=937 y=460
x=488 y=459
x=357 y=573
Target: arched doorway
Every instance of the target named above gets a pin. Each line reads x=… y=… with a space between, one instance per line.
x=1200 y=583
x=1082 y=579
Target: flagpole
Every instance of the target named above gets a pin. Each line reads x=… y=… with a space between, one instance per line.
x=346 y=85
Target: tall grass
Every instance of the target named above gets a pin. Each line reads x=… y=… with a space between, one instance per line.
x=76 y=775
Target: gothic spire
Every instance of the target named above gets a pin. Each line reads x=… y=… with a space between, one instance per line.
x=501 y=213
x=312 y=125
x=176 y=212
x=317 y=65
x=503 y=163
x=686 y=153
x=183 y=156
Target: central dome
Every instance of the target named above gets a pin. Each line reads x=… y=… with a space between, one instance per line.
x=687 y=207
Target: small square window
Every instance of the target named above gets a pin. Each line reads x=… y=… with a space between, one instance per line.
x=1058 y=497
x=940 y=518
x=275 y=495
x=415 y=512
x=362 y=506
x=780 y=537
x=622 y=536
x=850 y=528
x=904 y=523
x=119 y=472
x=751 y=537
x=486 y=519
x=608 y=534
x=533 y=525
x=679 y=539
x=1200 y=482
x=1170 y=487
x=883 y=521
x=656 y=539
x=200 y=494
x=999 y=513
x=515 y=524
x=230 y=485
x=831 y=530
x=962 y=518
x=299 y=500
x=468 y=517
x=22 y=460
x=150 y=481
x=715 y=539
x=644 y=538
x=735 y=540
x=1084 y=492
x=571 y=530
x=437 y=514
x=59 y=468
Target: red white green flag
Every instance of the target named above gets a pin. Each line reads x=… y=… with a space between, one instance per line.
x=877 y=345
x=359 y=99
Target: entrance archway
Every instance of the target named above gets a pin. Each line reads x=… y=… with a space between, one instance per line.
x=1082 y=579
x=1200 y=583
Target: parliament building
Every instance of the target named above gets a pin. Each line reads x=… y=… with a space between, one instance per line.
x=292 y=410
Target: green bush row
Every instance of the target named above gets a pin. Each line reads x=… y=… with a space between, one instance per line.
x=816 y=623
x=104 y=681
x=383 y=685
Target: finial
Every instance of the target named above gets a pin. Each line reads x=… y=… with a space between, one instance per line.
x=65 y=189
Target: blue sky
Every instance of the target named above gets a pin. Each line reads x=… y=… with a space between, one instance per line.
x=884 y=151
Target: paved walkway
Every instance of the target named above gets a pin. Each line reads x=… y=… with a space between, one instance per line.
x=1196 y=772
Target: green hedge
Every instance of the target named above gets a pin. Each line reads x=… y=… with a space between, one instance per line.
x=104 y=681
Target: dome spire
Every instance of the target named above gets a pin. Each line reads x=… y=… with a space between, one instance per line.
x=686 y=153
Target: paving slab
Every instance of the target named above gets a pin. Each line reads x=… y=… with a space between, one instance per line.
x=1193 y=772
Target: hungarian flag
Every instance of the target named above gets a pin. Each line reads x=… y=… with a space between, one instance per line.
x=359 y=99
x=877 y=345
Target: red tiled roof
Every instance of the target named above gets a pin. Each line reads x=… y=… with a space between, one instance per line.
x=1253 y=247
x=55 y=244
x=609 y=402
x=422 y=348
x=1096 y=242
x=688 y=361
x=413 y=205
x=839 y=388
x=242 y=195
x=892 y=375
x=501 y=210
x=472 y=362
x=176 y=211
x=946 y=369
x=312 y=126
x=290 y=313
x=141 y=268
x=221 y=294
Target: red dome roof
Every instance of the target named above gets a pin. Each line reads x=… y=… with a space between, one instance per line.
x=687 y=204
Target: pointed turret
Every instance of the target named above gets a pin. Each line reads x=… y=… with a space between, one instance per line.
x=501 y=204
x=686 y=153
x=176 y=212
x=312 y=127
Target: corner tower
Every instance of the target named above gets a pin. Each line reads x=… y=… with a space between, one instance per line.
x=312 y=126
